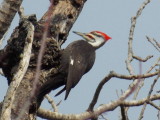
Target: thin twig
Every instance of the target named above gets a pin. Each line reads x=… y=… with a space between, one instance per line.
x=111 y=75
x=155 y=106
x=142 y=60
x=154 y=43
x=103 y=118
x=133 y=24
x=98 y=111
x=141 y=101
x=130 y=43
x=123 y=113
x=158 y=115
x=142 y=81
x=154 y=65
x=158 y=44
x=51 y=101
x=131 y=34
x=59 y=103
x=132 y=77
x=1 y=72
x=98 y=90
x=149 y=94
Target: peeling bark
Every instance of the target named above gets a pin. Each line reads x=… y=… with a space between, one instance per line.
x=7 y=12
x=63 y=15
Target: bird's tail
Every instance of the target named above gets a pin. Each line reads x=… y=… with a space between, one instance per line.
x=51 y=84
x=61 y=91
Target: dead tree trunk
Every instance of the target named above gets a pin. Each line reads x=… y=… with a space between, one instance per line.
x=63 y=14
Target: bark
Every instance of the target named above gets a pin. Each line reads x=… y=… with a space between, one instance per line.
x=7 y=13
x=63 y=14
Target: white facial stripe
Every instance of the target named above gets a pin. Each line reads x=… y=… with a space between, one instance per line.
x=71 y=61
x=99 y=41
x=98 y=34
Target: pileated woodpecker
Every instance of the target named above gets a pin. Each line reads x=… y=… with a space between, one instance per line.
x=77 y=59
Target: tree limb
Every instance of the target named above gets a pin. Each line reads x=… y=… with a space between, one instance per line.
x=88 y=115
x=149 y=94
x=7 y=12
x=111 y=75
x=20 y=72
x=50 y=100
x=154 y=43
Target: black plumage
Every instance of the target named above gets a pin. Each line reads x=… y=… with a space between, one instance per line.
x=76 y=60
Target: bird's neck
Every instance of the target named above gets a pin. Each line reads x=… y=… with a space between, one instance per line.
x=97 y=43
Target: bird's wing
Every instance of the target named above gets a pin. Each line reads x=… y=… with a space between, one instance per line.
x=51 y=84
x=81 y=60
x=77 y=68
x=77 y=59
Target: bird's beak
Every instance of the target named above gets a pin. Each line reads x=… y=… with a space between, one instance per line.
x=83 y=35
x=80 y=34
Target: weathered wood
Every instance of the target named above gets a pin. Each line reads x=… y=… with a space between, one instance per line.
x=8 y=10
x=63 y=15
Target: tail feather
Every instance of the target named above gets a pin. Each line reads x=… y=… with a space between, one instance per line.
x=51 y=84
x=67 y=93
x=61 y=91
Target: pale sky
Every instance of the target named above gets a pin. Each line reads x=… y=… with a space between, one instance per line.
x=113 y=18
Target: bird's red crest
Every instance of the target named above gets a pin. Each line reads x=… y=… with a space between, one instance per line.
x=104 y=35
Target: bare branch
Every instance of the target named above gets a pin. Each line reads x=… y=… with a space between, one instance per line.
x=8 y=10
x=91 y=113
x=108 y=77
x=59 y=103
x=140 y=102
x=154 y=65
x=132 y=77
x=103 y=117
x=1 y=72
x=149 y=94
x=21 y=70
x=123 y=113
x=142 y=81
x=142 y=60
x=133 y=24
x=98 y=90
x=130 y=43
x=155 y=106
x=101 y=109
x=51 y=101
x=154 y=43
x=158 y=44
